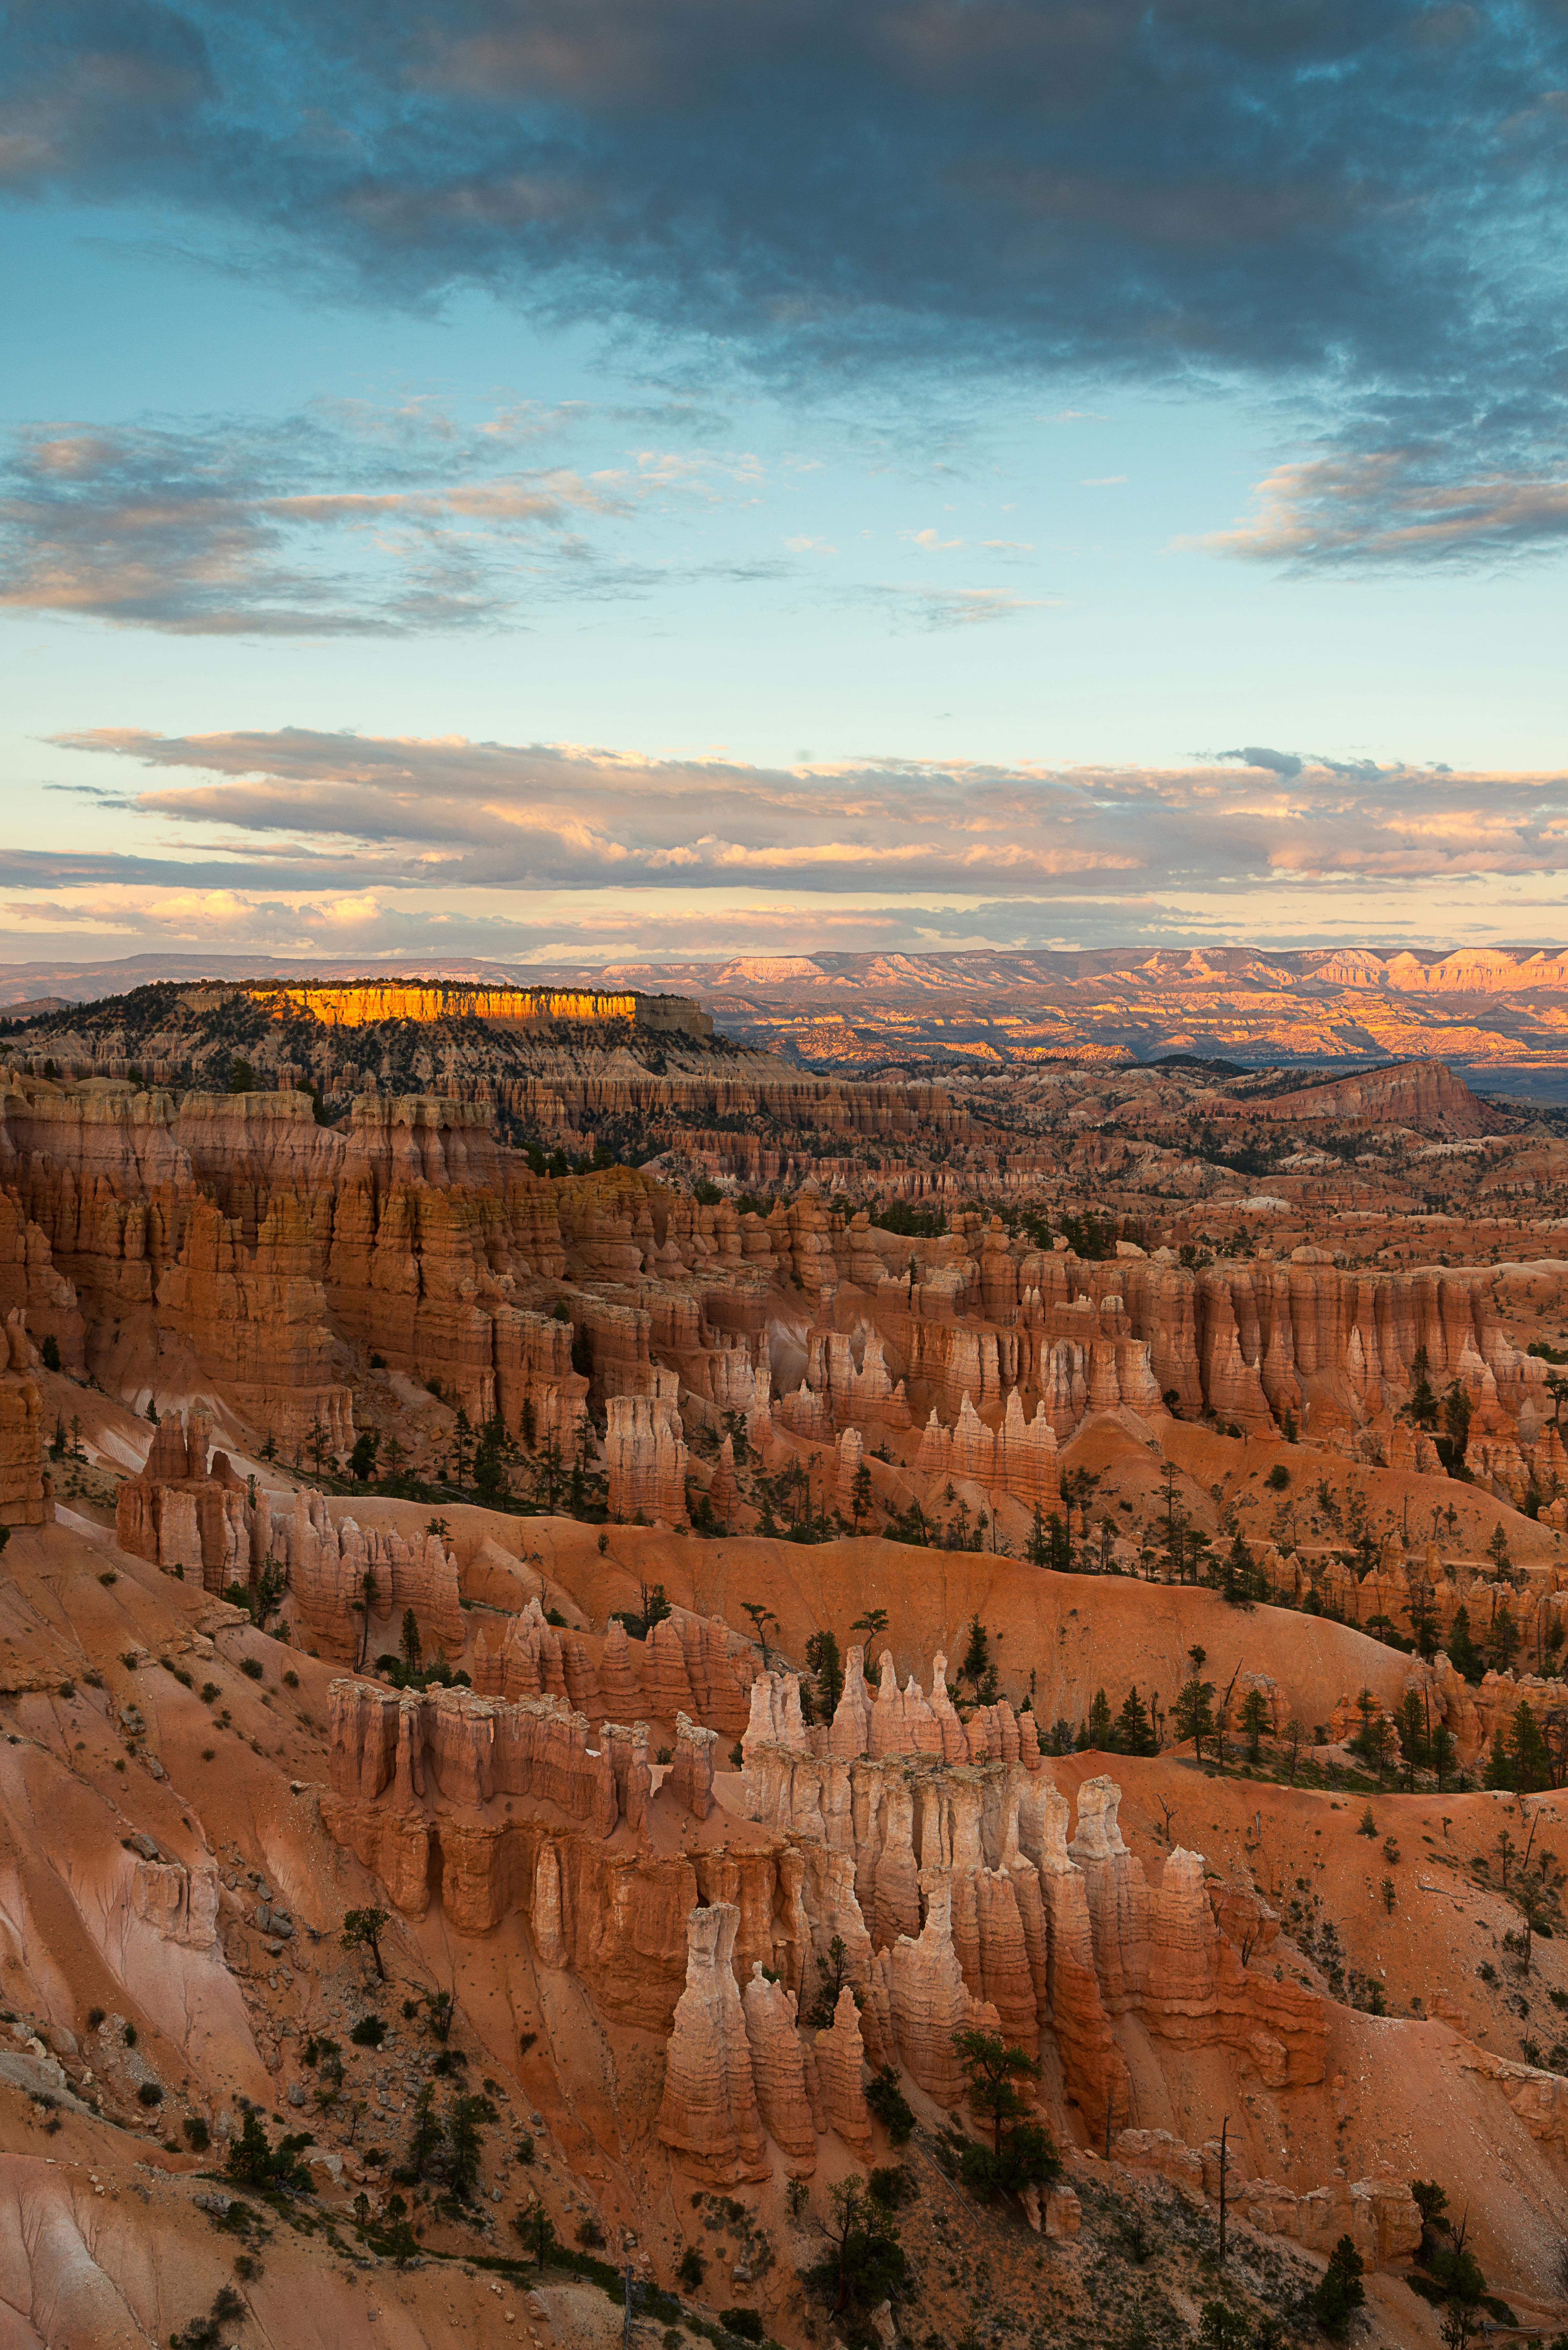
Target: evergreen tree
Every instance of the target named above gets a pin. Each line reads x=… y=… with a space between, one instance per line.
x=1239 y=1574
x=465 y=2146
x=1254 y=1722
x=1502 y=1640
x=1194 y=1714
x=490 y=1460
x=864 y=2263
x=429 y=2135
x=1134 y=1733
x=1411 y=1720
x=1341 y=2292
x=1098 y=1726
x=1463 y=1654
x=1531 y=1763
x=1423 y=1405
x=976 y=1654
x=1498 y=1765
x=826 y=1666
x=834 y=1972
x=860 y=1496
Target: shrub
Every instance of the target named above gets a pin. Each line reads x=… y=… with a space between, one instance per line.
x=369 y=2033
x=1278 y=1478
x=291 y=1678
x=693 y=2268
x=198 y=2136
x=149 y=2094
x=95 y=2017
x=252 y=1667
x=743 y=2323
x=891 y=2187
x=891 y=2106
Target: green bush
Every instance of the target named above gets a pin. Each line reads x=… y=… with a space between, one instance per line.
x=891 y=2107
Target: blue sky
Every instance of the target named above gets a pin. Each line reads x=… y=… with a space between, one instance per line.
x=547 y=481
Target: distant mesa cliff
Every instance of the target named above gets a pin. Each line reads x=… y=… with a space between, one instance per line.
x=361 y=1003
x=1425 y=1095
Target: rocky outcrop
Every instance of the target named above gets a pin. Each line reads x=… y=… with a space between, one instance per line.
x=778 y=2069
x=645 y=1455
x=337 y=1572
x=708 y=2116
x=189 y=1511
x=26 y=1497
x=691 y=1781
x=1425 y=1095
x=840 y=2058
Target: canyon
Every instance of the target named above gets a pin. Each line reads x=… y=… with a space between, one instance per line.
x=1005 y=1575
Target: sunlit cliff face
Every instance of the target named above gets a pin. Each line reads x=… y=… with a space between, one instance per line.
x=359 y=1007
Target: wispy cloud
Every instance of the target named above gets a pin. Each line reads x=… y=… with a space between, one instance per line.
x=344 y=520
x=1394 y=507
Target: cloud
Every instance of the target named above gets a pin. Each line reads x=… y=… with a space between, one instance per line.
x=1102 y=481
x=1393 y=507
x=1355 y=208
x=932 y=541
x=343 y=520
x=295 y=810
x=1277 y=763
x=957 y=607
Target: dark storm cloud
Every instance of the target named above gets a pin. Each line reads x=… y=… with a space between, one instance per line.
x=1358 y=205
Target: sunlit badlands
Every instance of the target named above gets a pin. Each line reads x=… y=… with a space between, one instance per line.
x=881 y=1728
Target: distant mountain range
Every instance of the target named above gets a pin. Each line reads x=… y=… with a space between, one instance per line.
x=1497 y=1012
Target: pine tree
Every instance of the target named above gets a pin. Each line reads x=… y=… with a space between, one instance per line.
x=1341 y=2291
x=1098 y=1726
x=1134 y=1733
x=1531 y=1762
x=1463 y=1654
x=464 y=2144
x=430 y=2135
x=1194 y=1714
x=1254 y=1721
x=977 y=1654
x=1498 y=1765
x=1502 y=1641
x=1239 y=1574
x=826 y=1667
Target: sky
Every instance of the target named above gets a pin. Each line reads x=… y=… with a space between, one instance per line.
x=570 y=480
